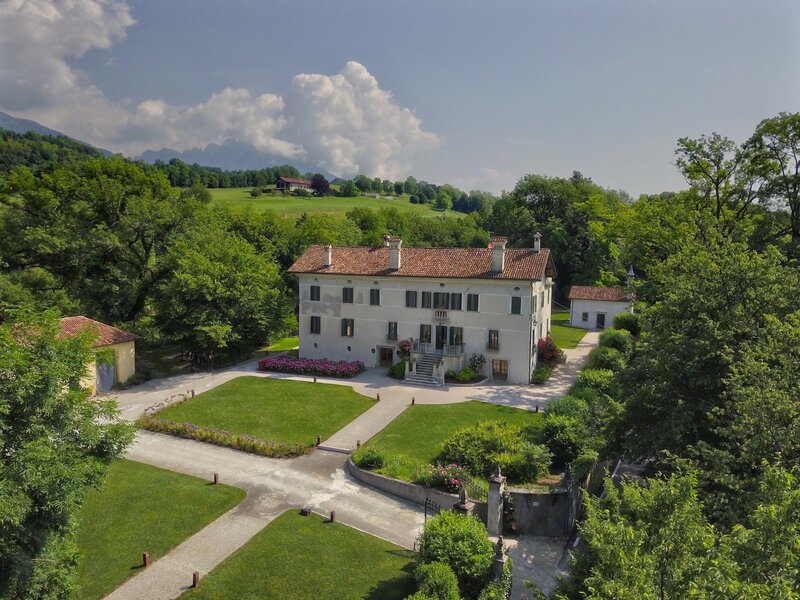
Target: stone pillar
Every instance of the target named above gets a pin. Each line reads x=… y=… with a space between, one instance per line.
x=464 y=504
x=500 y=558
x=494 y=518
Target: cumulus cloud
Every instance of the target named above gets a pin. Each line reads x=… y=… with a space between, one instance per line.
x=345 y=123
x=488 y=178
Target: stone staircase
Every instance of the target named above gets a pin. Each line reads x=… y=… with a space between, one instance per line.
x=423 y=371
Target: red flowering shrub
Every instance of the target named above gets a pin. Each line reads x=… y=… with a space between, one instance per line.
x=311 y=366
x=448 y=477
x=548 y=353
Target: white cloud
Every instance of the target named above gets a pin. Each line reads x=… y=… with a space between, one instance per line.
x=488 y=179
x=350 y=125
x=345 y=123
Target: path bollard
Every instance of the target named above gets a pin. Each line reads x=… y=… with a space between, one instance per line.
x=333 y=516
x=196 y=579
x=315 y=379
x=413 y=400
x=216 y=478
x=192 y=392
x=358 y=444
x=145 y=559
x=537 y=408
x=319 y=439
x=379 y=395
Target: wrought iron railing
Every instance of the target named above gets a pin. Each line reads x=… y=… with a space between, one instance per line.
x=477 y=490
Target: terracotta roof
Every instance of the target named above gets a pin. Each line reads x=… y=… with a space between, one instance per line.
x=602 y=294
x=295 y=180
x=106 y=334
x=523 y=264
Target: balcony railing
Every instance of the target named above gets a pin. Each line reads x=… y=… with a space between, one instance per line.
x=439 y=314
x=430 y=348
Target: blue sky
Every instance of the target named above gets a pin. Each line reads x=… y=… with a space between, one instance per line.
x=497 y=89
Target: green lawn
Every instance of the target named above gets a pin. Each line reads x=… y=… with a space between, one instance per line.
x=141 y=509
x=287 y=343
x=273 y=409
x=565 y=336
x=294 y=206
x=414 y=438
x=307 y=558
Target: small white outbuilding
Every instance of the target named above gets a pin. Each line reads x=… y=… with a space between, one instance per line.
x=595 y=307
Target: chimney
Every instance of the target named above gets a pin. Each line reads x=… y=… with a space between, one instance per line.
x=386 y=238
x=326 y=260
x=498 y=254
x=537 y=241
x=395 y=252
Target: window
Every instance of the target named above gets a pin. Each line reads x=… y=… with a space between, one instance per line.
x=347 y=295
x=316 y=324
x=425 y=333
x=472 y=302
x=585 y=317
x=516 y=305
x=426 y=300
x=348 y=327
x=411 y=299
x=456 y=336
x=441 y=300
x=494 y=340
x=499 y=369
x=375 y=297
x=455 y=301
x=391 y=334
x=315 y=293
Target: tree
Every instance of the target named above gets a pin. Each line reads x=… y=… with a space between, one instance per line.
x=100 y=231
x=410 y=185
x=443 y=202
x=320 y=185
x=776 y=149
x=653 y=543
x=222 y=295
x=55 y=443
x=349 y=189
x=363 y=183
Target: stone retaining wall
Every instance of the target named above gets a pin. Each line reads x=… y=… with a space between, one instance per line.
x=409 y=491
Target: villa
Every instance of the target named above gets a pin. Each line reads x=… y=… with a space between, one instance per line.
x=358 y=303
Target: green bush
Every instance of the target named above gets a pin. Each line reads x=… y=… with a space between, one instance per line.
x=451 y=375
x=541 y=374
x=599 y=380
x=462 y=543
x=583 y=464
x=437 y=580
x=628 y=322
x=500 y=590
x=619 y=339
x=420 y=596
x=565 y=437
x=255 y=192
x=369 y=458
x=467 y=375
x=607 y=358
x=530 y=464
x=398 y=370
x=301 y=193
x=568 y=406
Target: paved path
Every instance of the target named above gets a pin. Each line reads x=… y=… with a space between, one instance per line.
x=317 y=480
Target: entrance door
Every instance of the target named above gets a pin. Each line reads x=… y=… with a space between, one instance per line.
x=601 y=320
x=441 y=336
x=106 y=377
x=500 y=369
x=385 y=356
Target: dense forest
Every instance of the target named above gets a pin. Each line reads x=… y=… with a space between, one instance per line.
x=703 y=389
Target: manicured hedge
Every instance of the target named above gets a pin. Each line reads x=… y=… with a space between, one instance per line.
x=220 y=437
x=310 y=366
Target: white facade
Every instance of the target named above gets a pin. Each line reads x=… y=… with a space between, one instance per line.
x=512 y=360
x=596 y=314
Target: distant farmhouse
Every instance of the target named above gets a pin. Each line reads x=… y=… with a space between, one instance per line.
x=595 y=307
x=101 y=376
x=358 y=303
x=289 y=184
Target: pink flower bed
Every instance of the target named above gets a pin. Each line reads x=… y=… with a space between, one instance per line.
x=311 y=366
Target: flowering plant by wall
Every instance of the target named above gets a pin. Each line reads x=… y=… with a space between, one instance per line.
x=310 y=366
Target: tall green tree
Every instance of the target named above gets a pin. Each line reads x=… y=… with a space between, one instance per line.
x=99 y=230
x=653 y=543
x=222 y=295
x=55 y=443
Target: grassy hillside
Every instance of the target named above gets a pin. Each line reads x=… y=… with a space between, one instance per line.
x=293 y=206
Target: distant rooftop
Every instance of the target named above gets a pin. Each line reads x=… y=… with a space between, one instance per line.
x=106 y=334
x=602 y=294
